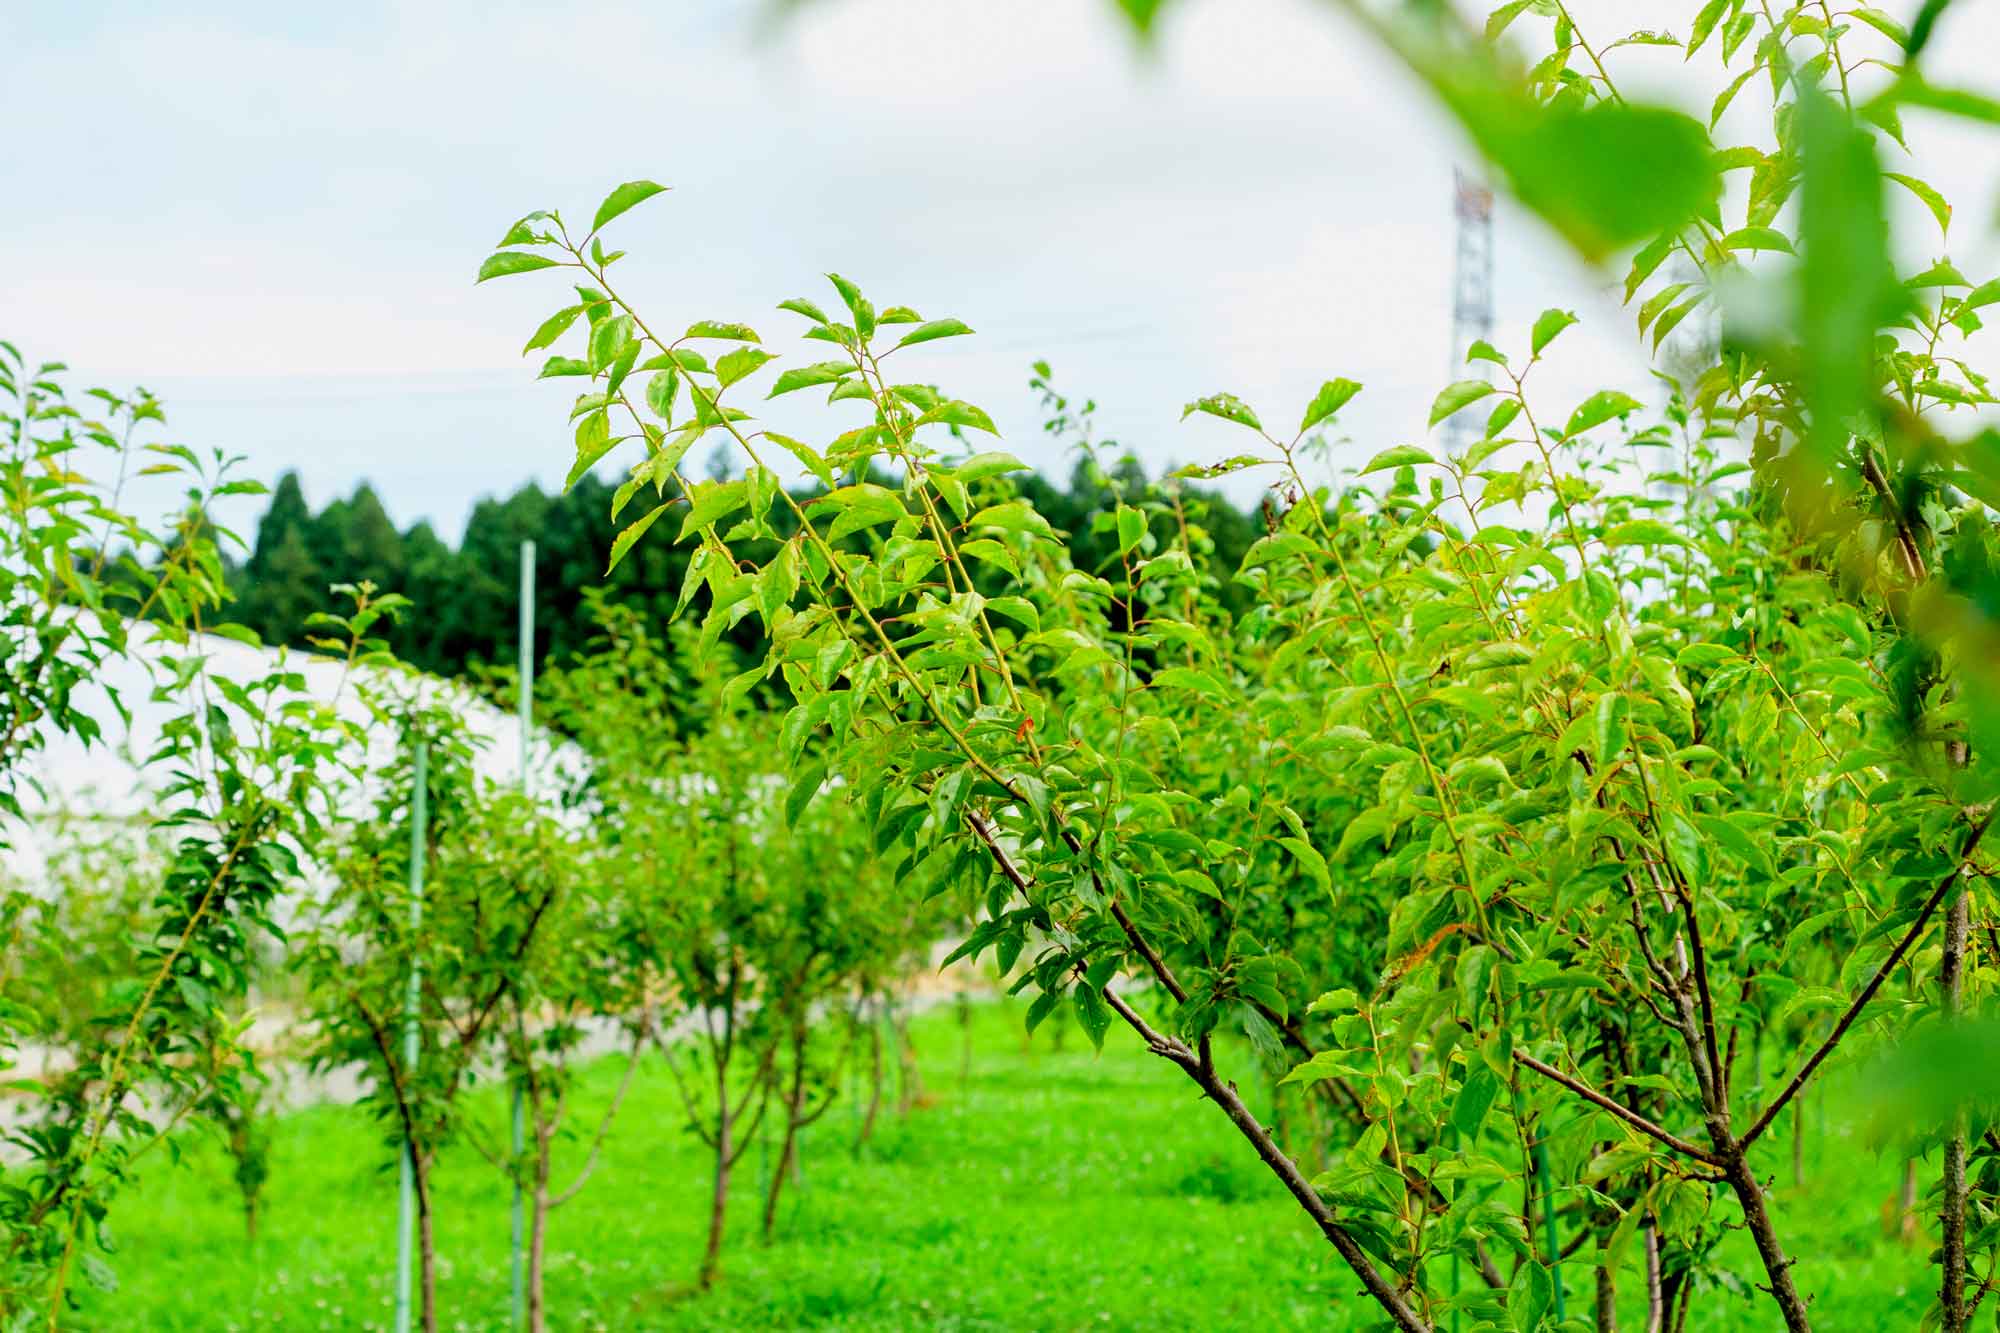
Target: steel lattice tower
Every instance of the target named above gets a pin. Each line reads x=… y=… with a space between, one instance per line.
x=1471 y=295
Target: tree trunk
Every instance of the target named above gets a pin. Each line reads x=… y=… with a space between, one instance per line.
x=875 y=1088
x=787 y=1157
x=538 y=1234
x=1607 y=1296
x=1656 y=1301
x=965 y=1043
x=793 y=1101
x=426 y=1246
x=1951 y=1219
x=1906 y=1203
x=1750 y=1196
x=711 y=1259
x=909 y=1077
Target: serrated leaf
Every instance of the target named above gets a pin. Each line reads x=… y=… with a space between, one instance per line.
x=1332 y=396
x=804 y=787
x=805 y=377
x=622 y=198
x=508 y=262
x=710 y=328
x=1547 y=325
x=733 y=366
x=1932 y=200
x=1758 y=238
x=1455 y=396
x=1599 y=408
x=1401 y=455
x=1225 y=405
x=552 y=328
x=931 y=332
x=632 y=534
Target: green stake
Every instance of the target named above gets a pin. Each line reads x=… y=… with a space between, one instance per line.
x=1549 y=1227
x=524 y=708
x=406 y=1218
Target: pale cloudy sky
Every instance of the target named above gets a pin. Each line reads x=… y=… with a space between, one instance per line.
x=270 y=214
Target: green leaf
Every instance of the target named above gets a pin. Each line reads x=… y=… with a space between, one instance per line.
x=1227 y=406
x=633 y=533
x=508 y=262
x=710 y=328
x=1577 y=167
x=1704 y=24
x=552 y=328
x=608 y=341
x=622 y=198
x=1529 y=1296
x=1475 y=1099
x=955 y=413
x=1458 y=395
x=1310 y=861
x=1332 y=396
x=1131 y=528
x=1609 y=728
x=563 y=365
x=1913 y=91
x=861 y=505
x=1599 y=408
x=1093 y=1015
x=1758 y=238
x=1883 y=24
x=1401 y=455
x=990 y=464
x=804 y=377
x=593 y=441
x=804 y=787
x=733 y=366
x=1012 y=516
x=1845 y=280
x=937 y=328
x=709 y=501
x=800 y=306
x=1643 y=532
x=1547 y=326
x=1932 y=200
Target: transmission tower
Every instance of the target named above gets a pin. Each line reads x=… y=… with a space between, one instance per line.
x=1471 y=294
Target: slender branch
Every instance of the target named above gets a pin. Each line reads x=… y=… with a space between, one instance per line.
x=1624 y=1113
x=1861 y=1000
x=603 y=1126
x=1224 y=1095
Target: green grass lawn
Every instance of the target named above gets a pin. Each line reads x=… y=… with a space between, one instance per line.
x=1054 y=1190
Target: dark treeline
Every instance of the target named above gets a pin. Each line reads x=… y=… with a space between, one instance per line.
x=466 y=598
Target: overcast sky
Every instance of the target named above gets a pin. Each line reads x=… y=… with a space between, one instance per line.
x=270 y=214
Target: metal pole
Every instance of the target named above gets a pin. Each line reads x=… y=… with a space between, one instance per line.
x=524 y=708
x=1549 y=1227
x=406 y=1218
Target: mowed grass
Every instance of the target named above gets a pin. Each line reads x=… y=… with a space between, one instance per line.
x=1051 y=1190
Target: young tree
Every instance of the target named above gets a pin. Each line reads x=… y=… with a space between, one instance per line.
x=1555 y=748
x=238 y=782
x=495 y=867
